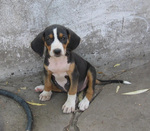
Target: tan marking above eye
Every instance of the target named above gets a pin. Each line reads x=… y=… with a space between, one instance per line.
x=51 y=36
x=60 y=35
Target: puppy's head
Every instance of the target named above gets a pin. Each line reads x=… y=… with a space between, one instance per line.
x=57 y=39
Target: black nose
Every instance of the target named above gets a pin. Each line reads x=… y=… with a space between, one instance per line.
x=57 y=52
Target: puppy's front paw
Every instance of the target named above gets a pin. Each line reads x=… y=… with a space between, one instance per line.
x=69 y=105
x=45 y=95
x=39 y=88
x=84 y=104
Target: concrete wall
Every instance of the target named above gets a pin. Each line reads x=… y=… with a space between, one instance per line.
x=112 y=31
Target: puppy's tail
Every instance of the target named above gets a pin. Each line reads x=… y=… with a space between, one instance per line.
x=104 y=82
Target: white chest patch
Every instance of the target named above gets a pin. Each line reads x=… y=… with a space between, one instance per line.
x=60 y=78
x=59 y=66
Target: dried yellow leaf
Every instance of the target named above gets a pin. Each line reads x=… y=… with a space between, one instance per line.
x=6 y=83
x=117 y=89
x=23 y=88
x=35 y=104
x=135 y=92
x=116 y=65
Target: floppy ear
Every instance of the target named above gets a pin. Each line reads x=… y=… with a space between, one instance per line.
x=38 y=44
x=74 y=40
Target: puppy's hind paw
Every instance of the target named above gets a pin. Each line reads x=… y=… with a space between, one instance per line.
x=39 y=88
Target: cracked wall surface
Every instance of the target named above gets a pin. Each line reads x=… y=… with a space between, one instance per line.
x=111 y=32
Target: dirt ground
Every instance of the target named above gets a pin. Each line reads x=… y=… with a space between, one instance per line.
x=109 y=111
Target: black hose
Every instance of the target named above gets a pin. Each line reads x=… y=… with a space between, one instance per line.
x=23 y=104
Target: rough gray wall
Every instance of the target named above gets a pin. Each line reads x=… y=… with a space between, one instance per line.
x=112 y=31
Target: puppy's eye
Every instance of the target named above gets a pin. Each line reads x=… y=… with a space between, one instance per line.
x=63 y=38
x=48 y=39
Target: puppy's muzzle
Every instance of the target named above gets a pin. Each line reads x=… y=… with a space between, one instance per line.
x=57 y=52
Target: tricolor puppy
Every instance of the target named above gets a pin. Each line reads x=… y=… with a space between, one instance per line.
x=64 y=70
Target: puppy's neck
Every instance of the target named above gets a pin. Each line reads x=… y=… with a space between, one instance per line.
x=58 y=58
x=58 y=64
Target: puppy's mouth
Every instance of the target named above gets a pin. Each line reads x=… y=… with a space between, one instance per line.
x=57 y=55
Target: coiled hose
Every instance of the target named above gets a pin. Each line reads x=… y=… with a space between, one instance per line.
x=23 y=104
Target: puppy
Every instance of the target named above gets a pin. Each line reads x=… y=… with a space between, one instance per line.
x=64 y=70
